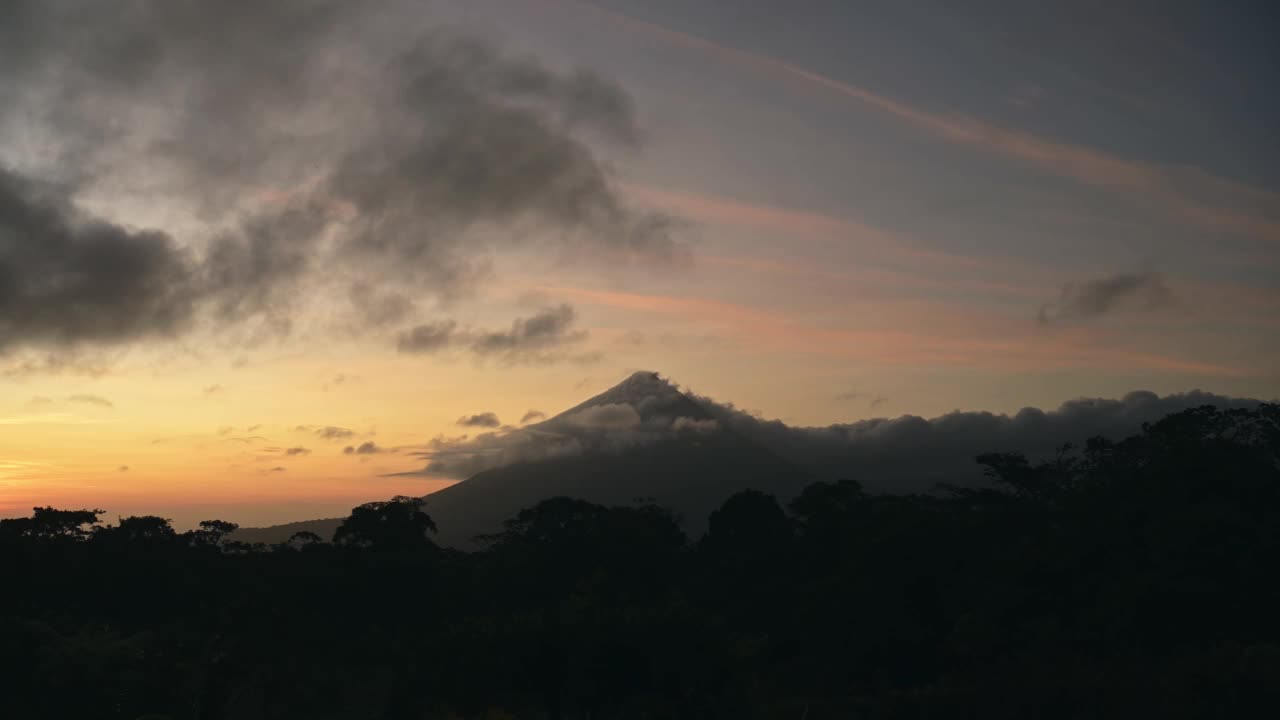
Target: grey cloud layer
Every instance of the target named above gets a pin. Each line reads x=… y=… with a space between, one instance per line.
x=641 y=412
x=913 y=454
x=904 y=454
x=603 y=428
x=339 y=145
x=66 y=278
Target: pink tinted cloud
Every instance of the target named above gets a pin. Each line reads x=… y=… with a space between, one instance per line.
x=1085 y=165
x=791 y=222
x=952 y=337
x=873 y=277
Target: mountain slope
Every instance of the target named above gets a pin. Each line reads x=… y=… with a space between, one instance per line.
x=691 y=477
x=641 y=439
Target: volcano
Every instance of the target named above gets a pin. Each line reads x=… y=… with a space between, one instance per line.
x=641 y=441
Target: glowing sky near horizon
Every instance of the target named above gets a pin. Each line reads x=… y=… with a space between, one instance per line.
x=876 y=209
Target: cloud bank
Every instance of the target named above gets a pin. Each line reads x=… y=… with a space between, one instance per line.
x=903 y=454
x=912 y=454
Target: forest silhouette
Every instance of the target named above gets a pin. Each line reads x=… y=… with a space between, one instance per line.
x=1129 y=578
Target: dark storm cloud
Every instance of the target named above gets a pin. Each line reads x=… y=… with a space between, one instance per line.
x=254 y=271
x=67 y=278
x=331 y=149
x=484 y=419
x=531 y=416
x=1105 y=295
x=91 y=400
x=489 y=142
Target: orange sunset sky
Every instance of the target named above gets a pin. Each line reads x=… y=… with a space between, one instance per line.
x=231 y=254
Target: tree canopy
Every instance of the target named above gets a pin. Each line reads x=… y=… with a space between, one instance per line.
x=1118 y=578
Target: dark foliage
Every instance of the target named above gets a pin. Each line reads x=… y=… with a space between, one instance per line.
x=1121 y=579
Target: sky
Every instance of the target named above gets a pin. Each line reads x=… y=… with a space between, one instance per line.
x=255 y=257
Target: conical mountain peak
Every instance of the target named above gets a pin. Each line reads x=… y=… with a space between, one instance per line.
x=650 y=394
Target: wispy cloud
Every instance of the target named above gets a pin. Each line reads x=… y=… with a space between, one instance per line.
x=1105 y=295
x=869 y=277
x=870 y=241
x=91 y=400
x=538 y=339
x=1181 y=195
x=329 y=432
x=51 y=419
x=873 y=401
x=949 y=341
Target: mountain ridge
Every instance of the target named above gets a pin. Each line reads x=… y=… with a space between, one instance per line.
x=693 y=447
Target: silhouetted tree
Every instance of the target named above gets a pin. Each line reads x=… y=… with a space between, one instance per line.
x=211 y=532
x=137 y=530
x=304 y=539
x=50 y=525
x=749 y=529
x=827 y=516
x=397 y=524
x=1121 y=578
